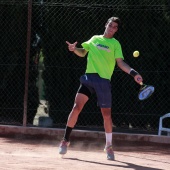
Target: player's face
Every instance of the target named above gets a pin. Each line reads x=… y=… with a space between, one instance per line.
x=111 y=28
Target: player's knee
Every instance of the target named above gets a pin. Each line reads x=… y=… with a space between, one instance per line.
x=106 y=113
x=77 y=107
x=107 y=116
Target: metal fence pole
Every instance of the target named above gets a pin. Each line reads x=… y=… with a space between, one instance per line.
x=27 y=61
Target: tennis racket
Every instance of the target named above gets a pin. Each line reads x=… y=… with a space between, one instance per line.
x=145 y=91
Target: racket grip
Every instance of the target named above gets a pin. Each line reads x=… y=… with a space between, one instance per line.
x=141 y=83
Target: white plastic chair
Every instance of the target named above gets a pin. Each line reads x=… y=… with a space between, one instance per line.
x=161 y=128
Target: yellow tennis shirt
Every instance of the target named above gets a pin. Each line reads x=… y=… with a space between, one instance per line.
x=102 y=54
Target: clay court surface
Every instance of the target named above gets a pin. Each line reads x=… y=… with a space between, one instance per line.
x=42 y=154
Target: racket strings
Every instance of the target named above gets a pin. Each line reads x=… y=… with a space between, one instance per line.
x=146 y=92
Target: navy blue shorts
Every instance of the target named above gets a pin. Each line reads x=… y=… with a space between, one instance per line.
x=92 y=83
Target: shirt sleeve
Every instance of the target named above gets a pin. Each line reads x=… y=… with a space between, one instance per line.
x=118 y=51
x=86 y=45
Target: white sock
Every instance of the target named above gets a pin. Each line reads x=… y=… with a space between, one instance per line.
x=108 y=139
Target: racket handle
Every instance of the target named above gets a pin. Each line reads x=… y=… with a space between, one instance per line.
x=141 y=83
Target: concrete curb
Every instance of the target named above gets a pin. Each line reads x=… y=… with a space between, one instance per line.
x=7 y=130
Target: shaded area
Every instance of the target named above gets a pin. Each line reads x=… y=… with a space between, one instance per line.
x=127 y=165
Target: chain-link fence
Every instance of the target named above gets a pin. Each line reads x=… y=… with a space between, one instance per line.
x=40 y=77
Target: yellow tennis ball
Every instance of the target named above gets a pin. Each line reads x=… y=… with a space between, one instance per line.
x=136 y=54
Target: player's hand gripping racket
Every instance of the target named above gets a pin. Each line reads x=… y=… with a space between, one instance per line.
x=145 y=91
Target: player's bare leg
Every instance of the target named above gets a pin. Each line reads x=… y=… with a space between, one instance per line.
x=79 y=103
x=106 y=112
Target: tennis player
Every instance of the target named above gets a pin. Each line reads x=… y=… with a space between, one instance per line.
x=104 y=52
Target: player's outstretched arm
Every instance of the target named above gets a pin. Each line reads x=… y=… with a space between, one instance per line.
x=81 y=52
x=126 y=68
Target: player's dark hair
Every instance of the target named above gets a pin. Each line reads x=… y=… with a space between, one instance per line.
x=115 y=19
